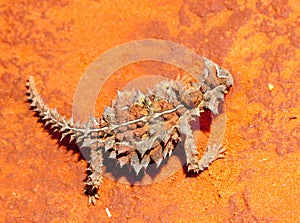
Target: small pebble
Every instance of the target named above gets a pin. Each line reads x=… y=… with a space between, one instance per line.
x=108 y=212
x=270 y=87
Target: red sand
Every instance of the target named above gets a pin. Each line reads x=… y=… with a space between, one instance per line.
x=259 y=179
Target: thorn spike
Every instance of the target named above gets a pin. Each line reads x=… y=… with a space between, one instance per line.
x=137 y=168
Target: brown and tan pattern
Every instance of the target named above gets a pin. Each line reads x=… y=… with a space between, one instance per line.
x=139 y=128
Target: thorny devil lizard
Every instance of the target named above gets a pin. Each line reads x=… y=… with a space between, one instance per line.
x=138 y=128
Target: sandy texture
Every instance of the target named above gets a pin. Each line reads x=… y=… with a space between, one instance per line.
x=41 y=180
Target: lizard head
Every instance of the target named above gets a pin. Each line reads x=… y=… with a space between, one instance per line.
x=214 y=76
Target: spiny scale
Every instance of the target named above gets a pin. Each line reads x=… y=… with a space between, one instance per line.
x=140 y=128
x=144 y=123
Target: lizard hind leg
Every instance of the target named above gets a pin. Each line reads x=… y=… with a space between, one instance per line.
x=94 y=180
x=211 y=154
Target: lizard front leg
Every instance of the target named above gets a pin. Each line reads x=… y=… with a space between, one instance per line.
x=189 y=143
x=211 y=154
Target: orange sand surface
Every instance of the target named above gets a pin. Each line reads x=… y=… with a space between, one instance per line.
x=41 y=180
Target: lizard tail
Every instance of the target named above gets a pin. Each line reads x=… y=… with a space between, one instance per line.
x=51 y=117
